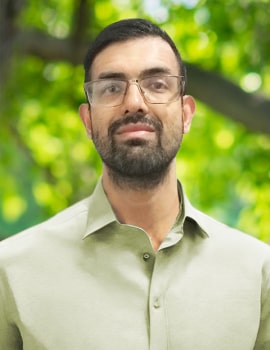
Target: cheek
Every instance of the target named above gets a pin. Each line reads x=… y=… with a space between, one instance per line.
x=172 y=121
x=100 y=122
x=174 y=133
x=172 y=127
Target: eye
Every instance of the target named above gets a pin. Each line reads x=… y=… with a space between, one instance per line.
x=110 y=87
x=156 y=84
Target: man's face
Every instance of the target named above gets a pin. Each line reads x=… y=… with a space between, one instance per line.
x=137 y=140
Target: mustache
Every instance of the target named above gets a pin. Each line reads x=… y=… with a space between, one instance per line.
x=135 y=118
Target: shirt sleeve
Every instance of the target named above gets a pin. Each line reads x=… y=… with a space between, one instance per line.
x=263 y=337
x=9 y=334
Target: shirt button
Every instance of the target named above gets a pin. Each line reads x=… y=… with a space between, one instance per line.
x=156 y=303
x=146 y=256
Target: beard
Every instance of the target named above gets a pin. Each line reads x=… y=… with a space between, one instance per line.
x=138 y=163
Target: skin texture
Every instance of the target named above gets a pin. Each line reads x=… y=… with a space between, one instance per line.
x=138 y=141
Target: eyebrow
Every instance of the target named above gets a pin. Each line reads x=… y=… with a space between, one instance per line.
x=155 y=71
x=111 y=75
x=145 y=73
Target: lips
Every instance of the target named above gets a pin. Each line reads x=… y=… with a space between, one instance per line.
x=136 y=125
x=135 y=128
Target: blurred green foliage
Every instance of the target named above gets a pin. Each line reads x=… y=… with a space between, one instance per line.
x=47 y=163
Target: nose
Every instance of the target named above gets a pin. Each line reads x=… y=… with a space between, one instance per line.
x=133 y=100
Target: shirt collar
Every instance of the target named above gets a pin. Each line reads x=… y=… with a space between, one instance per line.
x=100 y=212
x=190 y=215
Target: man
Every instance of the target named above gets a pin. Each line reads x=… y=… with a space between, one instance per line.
x=134 y=266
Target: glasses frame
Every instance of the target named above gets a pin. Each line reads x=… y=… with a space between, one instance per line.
x=136 y=81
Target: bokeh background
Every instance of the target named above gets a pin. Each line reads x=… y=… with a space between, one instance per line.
x=47 y=162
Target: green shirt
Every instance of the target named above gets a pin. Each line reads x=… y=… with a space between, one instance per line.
x=82 y=280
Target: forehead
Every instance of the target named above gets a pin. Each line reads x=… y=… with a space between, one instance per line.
x=132 y=57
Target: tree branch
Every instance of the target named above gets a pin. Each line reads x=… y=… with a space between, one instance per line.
x=9 y=9
x=48 y=47
x=80 y=20
x=252 y=110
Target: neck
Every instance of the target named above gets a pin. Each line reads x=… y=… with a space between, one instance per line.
x=154 y=209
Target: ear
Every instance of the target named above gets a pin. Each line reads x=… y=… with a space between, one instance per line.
x=189 y=108
x=85 y=115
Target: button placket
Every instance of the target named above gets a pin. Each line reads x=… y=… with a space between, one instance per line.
x=157 y=312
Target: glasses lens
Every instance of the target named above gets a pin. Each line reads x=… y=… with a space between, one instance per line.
x=106 y=92
x=161 y=89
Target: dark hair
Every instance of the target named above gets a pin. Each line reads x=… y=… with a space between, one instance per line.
x=124 y=30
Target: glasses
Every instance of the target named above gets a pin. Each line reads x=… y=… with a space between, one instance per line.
x=155 y=90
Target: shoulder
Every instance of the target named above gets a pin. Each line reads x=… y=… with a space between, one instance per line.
x=223 y=237
x=68 y=224
x=230 y=239
x=225 y=242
